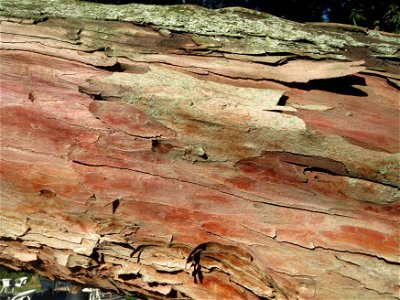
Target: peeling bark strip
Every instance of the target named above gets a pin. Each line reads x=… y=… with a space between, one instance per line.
x=178 y=152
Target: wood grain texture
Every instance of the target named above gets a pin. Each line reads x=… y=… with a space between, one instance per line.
x=148 y=159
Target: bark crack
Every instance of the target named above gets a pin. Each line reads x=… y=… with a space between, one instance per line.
x=214 y=189
x=262 y=233
x=364 y=285
x=40 y=43
x=87 y=63
x=391 y=262
x=219 y=236
x=30 y=151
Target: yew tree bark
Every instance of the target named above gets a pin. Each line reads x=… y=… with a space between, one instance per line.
x=178 y=152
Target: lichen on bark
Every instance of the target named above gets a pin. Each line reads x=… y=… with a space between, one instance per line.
x=256 y=32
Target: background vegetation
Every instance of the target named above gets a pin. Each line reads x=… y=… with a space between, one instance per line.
x=33 y=280
x=7 y=273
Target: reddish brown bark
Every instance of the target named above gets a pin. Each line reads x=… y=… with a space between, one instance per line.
x=196 y=174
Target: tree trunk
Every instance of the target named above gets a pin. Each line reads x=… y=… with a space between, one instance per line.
x=178 y=152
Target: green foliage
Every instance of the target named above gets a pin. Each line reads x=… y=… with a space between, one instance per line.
x=391 y=19
x=357 y=15
x=7 y=273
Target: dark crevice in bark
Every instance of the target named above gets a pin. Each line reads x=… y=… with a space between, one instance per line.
x=174 y=294
x=47 y=193
x=128 y=276
x=117 y=67
x=115 y=205
x=282 y=101
x=342 y=85
x=93 y=95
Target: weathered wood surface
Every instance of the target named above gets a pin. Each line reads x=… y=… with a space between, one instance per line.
x=126 y=145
